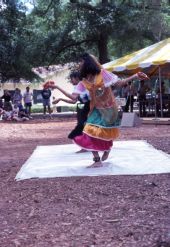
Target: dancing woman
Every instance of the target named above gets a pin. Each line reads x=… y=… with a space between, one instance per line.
x=102 y=125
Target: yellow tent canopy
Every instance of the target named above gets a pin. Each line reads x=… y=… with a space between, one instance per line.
x=147 y=60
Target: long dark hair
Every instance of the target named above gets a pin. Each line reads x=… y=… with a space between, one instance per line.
x=75 y=74
x=90 y=66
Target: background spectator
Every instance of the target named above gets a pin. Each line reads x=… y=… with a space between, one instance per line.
x=142 y=91
x=46 y=94
x=17 y=98
x=28 y=100
x=7 y=101
x=163 y=89
x=130 y=92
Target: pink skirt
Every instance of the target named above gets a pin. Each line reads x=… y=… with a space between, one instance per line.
x=92 y=144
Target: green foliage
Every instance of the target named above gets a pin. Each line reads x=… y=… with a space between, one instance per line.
x=59 y=31
x=14 y=55
x=37 y=109
x=94 y=26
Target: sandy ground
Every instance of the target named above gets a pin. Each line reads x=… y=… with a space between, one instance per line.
x=128 y=211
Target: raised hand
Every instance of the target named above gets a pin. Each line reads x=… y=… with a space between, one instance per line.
x=49 y=84
x=142 y=76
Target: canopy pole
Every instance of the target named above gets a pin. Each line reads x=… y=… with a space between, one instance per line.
x=160 y=88
x=155 y=99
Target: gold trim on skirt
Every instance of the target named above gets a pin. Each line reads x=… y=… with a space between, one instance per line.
x=107 y=134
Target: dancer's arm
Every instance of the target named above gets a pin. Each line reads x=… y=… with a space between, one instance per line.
x=64 y=100
x=139 y=75
x=123 y=82
x=71 y=96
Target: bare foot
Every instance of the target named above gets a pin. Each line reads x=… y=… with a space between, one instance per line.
x=95 y=165
x=81 y=151
x=96 y=159
x=105 y=155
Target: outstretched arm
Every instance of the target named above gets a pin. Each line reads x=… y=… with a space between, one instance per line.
x=139 y=75
x=64 y=100
x=121 y=83
x=71 y=96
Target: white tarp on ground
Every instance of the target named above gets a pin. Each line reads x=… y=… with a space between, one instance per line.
x=126 y=158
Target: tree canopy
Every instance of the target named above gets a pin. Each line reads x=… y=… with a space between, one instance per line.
x=59 y=31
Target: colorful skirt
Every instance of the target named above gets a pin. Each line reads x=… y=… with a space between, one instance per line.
x=102 y=127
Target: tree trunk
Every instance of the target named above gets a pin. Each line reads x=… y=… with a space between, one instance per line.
x=102 y=47
x=102 y=42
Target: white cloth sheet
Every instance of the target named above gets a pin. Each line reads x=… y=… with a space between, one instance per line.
x=126 y=158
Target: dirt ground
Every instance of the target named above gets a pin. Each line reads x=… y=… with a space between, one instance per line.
x=128 y=211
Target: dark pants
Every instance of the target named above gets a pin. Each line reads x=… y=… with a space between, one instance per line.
x=129 y=102
x=142 y=105
x=28 y=107
x=82 y=114
x=7 y=106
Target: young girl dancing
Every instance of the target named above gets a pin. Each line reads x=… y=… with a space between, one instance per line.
x=102 y=125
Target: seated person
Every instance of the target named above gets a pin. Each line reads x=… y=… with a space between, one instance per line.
x=23 y=114
x=7 y=100
x=6 y=115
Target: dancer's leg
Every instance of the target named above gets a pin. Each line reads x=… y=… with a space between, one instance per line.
x=96 y=156
x=44 y=109
x=105 y=155
x=96 y=159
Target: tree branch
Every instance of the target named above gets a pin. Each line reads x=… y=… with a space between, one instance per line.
x=49 y=6
x=72 y=45
x=44 y=12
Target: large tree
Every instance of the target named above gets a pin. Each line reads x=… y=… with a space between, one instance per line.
x=14 y=55
x=95 y=26
x=58 y=31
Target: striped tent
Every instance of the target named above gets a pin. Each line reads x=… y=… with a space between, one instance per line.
x=149 y=60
